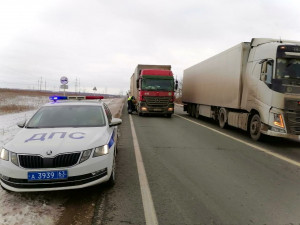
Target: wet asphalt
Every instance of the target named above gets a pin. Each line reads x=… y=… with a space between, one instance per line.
x=197 y=176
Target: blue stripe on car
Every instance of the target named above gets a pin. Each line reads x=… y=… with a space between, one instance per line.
x=111 y=141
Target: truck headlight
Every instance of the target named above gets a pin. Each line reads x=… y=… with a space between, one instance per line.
x=102 y=150
x=85 y=155
x=278 y=120
x=14 y=159
x=4 y=154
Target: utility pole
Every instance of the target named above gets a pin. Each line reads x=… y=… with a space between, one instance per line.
x=76 y=85
x=79 y=86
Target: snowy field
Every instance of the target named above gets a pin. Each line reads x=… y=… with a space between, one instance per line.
x=33 y=208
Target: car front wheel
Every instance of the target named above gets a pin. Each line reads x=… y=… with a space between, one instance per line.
x=112 y=180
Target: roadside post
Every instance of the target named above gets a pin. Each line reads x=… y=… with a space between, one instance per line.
x=64 y=82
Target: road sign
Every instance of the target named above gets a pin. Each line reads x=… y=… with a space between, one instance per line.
x=64 y=86
x=63 y=80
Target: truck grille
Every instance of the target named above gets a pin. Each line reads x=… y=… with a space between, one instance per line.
x=292 y=115
x=35 y=161
x=157 y=101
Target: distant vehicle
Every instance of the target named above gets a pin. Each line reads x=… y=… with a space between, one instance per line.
x=67 y=144
x=153 y=88
x=253 y=86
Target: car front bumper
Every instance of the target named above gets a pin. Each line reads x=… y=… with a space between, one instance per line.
x=91 y=172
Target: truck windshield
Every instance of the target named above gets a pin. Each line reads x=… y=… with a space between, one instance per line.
x=159 y=84
x=67 y=116
x=288 y=68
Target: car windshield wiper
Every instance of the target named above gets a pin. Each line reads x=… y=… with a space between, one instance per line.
x=32 y=127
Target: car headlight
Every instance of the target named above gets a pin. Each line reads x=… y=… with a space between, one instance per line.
x=4 y=154
x=14 y=159
x=85 y=155
x=102 y=150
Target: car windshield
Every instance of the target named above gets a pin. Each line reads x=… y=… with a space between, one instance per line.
x=68 y=116
x=159 y=84
x=288 y=68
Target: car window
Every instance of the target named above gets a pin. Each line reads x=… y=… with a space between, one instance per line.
x=68 y=116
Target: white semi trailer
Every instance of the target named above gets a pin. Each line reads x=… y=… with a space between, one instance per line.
x=253 y=86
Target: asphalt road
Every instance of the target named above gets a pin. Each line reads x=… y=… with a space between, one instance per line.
x=197 y=175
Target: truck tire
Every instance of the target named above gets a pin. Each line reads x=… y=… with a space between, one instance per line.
x=222 y=117
x=197 y=111
x=254 y=128
x=189 y=109
x=193 y=110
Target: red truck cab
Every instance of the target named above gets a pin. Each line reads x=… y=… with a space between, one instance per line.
x=156 y=92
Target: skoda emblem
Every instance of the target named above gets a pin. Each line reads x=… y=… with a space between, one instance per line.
x=49 y=152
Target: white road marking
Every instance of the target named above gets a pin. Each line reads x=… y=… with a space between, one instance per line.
x=149 y=210
x=267 y=151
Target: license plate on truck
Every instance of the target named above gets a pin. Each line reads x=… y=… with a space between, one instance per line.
x=48 y=175
x=157 y=110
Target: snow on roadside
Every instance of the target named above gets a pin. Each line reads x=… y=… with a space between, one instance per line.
x=33 y=208
x=8 y=127
x=35 y=101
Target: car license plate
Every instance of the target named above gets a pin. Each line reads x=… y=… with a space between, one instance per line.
x=157 y=110
x=48 y=175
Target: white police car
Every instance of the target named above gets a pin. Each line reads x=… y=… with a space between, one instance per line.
x=65 y=145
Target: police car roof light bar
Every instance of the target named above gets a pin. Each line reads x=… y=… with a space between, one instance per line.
x=94 y=97
x=55 y=98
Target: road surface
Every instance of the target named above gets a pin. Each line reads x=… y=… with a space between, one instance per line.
x=198 y=175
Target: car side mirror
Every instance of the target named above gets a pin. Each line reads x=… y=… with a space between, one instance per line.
x=115 y=122
x=137 y=83
x=21 y=124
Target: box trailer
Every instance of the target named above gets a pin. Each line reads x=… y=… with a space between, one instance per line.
x=254 y=86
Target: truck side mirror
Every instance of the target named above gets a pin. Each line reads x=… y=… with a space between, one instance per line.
x=176 y=84
x=137 y=83
x=263 y=77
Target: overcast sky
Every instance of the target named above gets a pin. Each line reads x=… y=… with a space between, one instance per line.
x=100 y=42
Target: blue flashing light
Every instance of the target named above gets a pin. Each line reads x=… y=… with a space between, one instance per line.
x=55 y=98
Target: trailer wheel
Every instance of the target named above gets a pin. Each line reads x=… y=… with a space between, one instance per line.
x=222 y=117
x=254 y=128
x=193 y=110
x=189 y=109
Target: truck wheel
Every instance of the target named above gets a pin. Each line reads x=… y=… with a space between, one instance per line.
x=222 y=118
x=254 y=128
x=189 y=109
x=192 y=111
x=195 y=111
